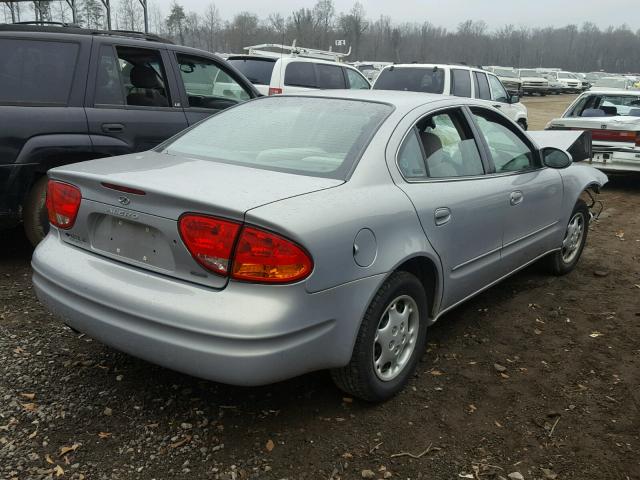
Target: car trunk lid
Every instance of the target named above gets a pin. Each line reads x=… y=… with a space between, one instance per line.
x=606 y=132
x=131 y=205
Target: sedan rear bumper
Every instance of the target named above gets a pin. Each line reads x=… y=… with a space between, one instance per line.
x=243 y=335
x=615 y=160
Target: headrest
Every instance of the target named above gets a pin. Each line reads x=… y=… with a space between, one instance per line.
x=144 y=77
x=431 y=143
x=593 y=112
x=609 y=110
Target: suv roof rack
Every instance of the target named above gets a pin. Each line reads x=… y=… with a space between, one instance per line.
x=296 y=51
x=60 y=27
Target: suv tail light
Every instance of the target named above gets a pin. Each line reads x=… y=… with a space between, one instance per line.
x=63 y=202
x=275 y=91
x=209 y=240
x=257 y=255
x=265 y=257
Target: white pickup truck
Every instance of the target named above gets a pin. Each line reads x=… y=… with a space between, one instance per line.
x=613 y=118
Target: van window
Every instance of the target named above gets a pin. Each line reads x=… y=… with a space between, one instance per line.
x=257 y=70
x=411 y=79
x=35 y=72
x=300 y=74
x=356 y=81
x=330 y=76
x=460 y=82
x=482 y=86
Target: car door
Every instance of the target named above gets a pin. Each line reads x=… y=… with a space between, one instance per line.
x=132 y=104
x=460 y=209
x=207 y=86
x=531 y=193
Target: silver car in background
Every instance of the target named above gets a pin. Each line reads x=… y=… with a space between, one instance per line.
x=290 y=234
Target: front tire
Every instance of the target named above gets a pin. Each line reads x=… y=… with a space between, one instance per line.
x=34 y=213
x=390 y=341
x=565 y=260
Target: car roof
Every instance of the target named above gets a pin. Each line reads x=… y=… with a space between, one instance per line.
x=401 y=100
x=612 y=91
x=432 y=65
x=289 y=58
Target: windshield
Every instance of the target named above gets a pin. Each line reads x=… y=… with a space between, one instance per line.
x=426 y=80
x=320 y=137
x=529 y=73
x=566 y=75
x=608 y=106
x=505 y=72
x=258 y=71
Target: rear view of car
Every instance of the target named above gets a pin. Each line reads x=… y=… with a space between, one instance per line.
x=613 y=118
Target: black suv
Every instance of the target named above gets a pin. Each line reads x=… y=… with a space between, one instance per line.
x=69 y=94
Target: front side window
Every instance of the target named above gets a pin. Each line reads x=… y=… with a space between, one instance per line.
x=498 y=93
x=460 y=83
x=143 y=77
x=207 y=85
x=308 y=136
x=356 y=81
x=508 y=151
x=35 y=72
x=482 y=86
x=300 y=74
x=409 y=79
x=330 y=76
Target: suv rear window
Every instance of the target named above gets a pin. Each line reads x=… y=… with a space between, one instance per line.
x=427 y=80
x=300 y=74
x=257 y=70
x=321 y=137
x=36 y=72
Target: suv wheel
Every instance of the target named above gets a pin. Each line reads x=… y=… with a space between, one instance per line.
x=35 y=217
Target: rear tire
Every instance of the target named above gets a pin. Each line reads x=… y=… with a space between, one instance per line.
x=390 y=341
x=565 y=260
x=34 y=213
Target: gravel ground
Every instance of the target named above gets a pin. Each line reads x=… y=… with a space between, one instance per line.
x=537 y=378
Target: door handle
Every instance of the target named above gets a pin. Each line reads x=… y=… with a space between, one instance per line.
x=516 y=197
x=112 y=127
x=442 y=215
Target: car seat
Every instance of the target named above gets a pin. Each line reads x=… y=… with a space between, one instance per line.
x=438 y=161
x=145 y=78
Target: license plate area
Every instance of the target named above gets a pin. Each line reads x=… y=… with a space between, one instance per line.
x=133 y=241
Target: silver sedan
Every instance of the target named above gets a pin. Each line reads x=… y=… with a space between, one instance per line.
x=295 y=233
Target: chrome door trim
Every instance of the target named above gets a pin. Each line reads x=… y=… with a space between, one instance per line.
x=475 y=259
x=489 y=285
x=535 y=232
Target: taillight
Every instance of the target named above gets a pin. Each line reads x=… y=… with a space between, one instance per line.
x=275 y=91
x=614 y=136
x=63 y=202
x=265 y=257
x=210 y=240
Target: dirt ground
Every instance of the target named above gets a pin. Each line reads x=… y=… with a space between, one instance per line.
x=538 y=376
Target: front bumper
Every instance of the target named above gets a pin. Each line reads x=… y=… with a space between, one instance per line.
x=615 y=160
x=246 y=334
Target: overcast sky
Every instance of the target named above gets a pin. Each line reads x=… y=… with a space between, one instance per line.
x=449 y=13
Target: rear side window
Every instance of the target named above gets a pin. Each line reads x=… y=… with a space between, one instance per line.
x=300 y=74
x=356 y=81
x=330 y=76
x=460 y=83
x=108 y=85
x=482 y=86
x=258 y=71
x=36 y=73
x=143 y=76
x=426 y=80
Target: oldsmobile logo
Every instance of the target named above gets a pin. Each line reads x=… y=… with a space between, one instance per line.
x=124 y=200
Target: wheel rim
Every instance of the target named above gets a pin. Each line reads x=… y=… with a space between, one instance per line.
x=573 y=238
x=395 y=338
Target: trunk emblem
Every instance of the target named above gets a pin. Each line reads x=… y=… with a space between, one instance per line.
x=124 y=200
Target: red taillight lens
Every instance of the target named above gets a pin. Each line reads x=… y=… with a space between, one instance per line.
x=63 y=202
x=614 y=136
x=275 y=91
x=265 y=257
x=210 y=240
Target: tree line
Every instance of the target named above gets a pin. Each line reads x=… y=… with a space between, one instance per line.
x=581 y=48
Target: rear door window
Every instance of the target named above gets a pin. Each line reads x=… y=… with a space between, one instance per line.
x=300 y=74
x=258 y=71
x=108 y=86
x=143 y=76
x=460 y=82
x=482 y=86
x=409 y=79
x=36 y=73
x=330 y=76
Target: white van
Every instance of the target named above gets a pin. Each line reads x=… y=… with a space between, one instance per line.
x=458 y=80
x=295 y=69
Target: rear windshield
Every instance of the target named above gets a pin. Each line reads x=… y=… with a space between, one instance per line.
x=529 y=73
x=427 y=80
x=320 y=137
x=257 y=70
x=611 y=82
x=35 y=72
x=607 y=106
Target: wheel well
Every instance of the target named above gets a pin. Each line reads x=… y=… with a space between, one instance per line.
x=427 y=273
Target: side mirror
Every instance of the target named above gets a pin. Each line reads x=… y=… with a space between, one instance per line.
x=514 y=99
x=556 y=158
